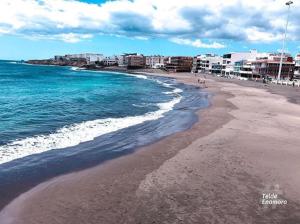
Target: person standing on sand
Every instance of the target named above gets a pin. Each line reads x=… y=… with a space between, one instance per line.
x=204 y=81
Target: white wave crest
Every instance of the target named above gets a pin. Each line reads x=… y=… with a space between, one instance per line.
x=77 y=133
x=138 y=76
x=143 y=104
x=110 y=72
x=175 y=91
x=75 y=69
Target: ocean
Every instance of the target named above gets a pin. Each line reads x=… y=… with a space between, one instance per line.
x=55 y=120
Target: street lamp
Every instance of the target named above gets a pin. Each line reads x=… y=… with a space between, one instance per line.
x=284 y=39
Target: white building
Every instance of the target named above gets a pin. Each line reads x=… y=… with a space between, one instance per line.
x=122 y=60
x=206 y=63
x=90 y=57
x=230 y=59
x=110 y=61
x=244 y=68
x=155 y=61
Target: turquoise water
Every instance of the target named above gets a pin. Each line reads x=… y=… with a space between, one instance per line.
x=55 y=120
x=48 y=107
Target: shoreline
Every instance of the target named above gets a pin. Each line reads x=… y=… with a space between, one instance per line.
x=144 y=152
x=205 y=174
x=84 y=156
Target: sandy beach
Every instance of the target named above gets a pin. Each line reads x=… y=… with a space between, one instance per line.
x=244 y=145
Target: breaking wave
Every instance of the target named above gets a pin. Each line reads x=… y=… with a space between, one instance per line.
x=72 y=135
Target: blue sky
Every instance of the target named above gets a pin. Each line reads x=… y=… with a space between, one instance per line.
x=40 y=29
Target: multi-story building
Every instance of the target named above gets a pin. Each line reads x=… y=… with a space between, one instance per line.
x=196 y=64
x=135 y=61
x=93 y=58
x=155 y=61
x=123 y=59
x=110 y=61
x=244 y=68
x=216 y=68
x=269 y=67
x=89 y=57
x=230 y=59
x=59 y=58
x=206 y=63
x=167 y=60
x=68 y=60
x=297 y=67
x=179 y=63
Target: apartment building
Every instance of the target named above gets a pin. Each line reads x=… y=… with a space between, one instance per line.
x=179 y=63
x=244 y=68
x=206 y=63
x=269 y=67
x=230 y=59
x=110 y=61
x=216 y=68
x=122 y=59
x=89 y=57
x=135 y=61
x=155 y=61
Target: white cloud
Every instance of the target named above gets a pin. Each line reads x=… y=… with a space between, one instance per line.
x=141 y=38
x=196 y=43
x=189 y=20
x=66 y=37
x=72 y=37
x=256 y=35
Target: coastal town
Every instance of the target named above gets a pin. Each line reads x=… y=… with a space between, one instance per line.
x=251 y=65
x=149 y=112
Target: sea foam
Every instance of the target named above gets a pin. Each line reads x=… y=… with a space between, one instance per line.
x=111 y=72
x=75 y=134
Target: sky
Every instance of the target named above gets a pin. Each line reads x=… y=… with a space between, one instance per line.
x=35 y=29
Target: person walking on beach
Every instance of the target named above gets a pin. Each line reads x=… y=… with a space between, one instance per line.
x=200 y=81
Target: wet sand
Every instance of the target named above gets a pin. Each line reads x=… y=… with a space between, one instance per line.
x=245 y=144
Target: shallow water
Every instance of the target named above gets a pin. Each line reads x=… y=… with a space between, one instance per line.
x=45 y=107
x=55 y=120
